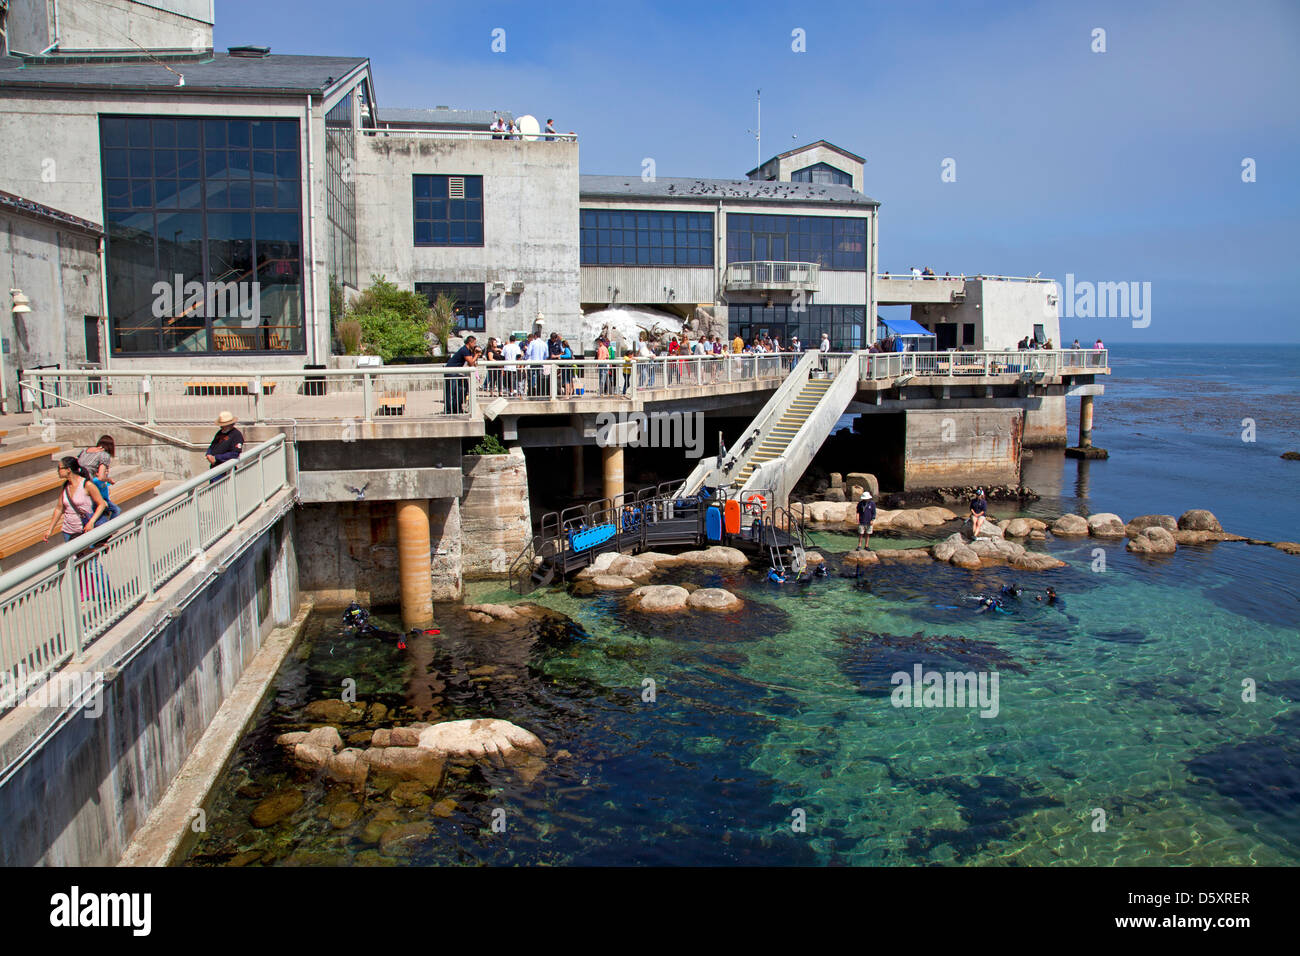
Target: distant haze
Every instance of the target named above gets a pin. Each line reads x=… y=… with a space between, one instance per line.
x=1117 y=166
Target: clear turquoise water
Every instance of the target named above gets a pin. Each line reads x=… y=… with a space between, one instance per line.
x=1127 y=699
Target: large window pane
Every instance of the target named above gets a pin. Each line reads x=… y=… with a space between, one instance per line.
x=660 y=238
x=239 y=278
x=440 y=219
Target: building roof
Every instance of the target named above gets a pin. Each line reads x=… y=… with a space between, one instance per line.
x=800 y=149
x=443 y=117
x=711 y=190
x=10 y=202
x=203 y=72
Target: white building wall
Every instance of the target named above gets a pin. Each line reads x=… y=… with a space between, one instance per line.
x=110 y=25
x=530 y=223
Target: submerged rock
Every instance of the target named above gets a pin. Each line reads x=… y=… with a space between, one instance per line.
x=332 y=711
x=903 y=556
x=403 y=838
x=407 y=763
x=611 y=582
x=276 y=807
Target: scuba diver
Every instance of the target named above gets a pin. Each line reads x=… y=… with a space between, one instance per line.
x=1012 y=590
x=821 y=571
x=357 y=619
x=1050 y=595
x=987 y=604
x=776 y=575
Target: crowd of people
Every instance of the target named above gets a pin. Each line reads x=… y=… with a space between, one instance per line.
x=509 y=129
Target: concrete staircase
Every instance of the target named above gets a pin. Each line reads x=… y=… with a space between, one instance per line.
x=778 y=439
x=30 y=488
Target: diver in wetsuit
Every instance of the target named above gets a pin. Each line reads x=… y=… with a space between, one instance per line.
x=357 y=619
x=1050 y=596
x=1012 y=590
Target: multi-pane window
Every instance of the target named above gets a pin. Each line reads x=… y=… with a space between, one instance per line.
x=204 y=234
x=448 y=210
x=341 y=192
x=471 y=313
x=834 y=242
x=845 y=324
x=823 y=173
x=635 y=238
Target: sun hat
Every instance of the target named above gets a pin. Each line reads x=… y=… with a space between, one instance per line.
x=865 y=494
x=225 y=418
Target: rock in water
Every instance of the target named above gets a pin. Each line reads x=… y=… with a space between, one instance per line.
x=659 y=597
x=403 y=838
x=408 y=763
x=1153 y=539
x=1106 y=524
x=611 y=582
x=276 y=807
x=1198 y=519
x=1070 y=526
x=498 y=741
x=714 y=599
x=1142 y=522
x=328 y=711
x=861 y=558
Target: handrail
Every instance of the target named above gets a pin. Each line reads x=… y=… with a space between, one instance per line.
x=542 y=136
x=986 y=363
x=54 y=605
x=191 y=446
x=963 y=277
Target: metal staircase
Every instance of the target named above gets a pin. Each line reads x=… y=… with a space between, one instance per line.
x=787 y=427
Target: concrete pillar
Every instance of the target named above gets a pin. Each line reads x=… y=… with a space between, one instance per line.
x=578 y=486
x=1085 y=421
x=413 y=562
x=611 y=457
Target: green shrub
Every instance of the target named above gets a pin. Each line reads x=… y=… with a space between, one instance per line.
x=349 y=332
x=393 y=321
x=489 y=446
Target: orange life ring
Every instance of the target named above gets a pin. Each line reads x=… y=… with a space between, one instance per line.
x=750 y=500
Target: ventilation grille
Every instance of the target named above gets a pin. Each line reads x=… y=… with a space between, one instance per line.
x=456 y=187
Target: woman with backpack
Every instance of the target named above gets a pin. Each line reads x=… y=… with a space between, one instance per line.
x=80 y=503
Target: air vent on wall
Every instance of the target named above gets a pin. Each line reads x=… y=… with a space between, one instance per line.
x=456 y=187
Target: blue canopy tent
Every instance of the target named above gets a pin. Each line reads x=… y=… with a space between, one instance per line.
x=909 y=336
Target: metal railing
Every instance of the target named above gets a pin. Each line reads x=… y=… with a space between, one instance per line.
x=197 y=396
x=771 y=274
x=55 y=605
x=963 y=277
x=593 y=380
x=890 y=365
x=542 y=136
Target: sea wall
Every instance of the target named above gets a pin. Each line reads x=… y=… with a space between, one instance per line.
x=494 y=512
x=962 y=447
x=96 y=770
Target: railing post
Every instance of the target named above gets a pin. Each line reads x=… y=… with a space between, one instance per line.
x=473 y=394
x=552 y=381
x=72 y=607
x=198 y=521
x=147 y=381
x=234 y=496
x=261 y=477
x=257 y=399
x=634 y=373
x=144 y=559
x=367 y=398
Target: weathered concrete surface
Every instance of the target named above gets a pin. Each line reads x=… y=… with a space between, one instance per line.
x=447 y=540
x=171 y=822
x=348 y=552
x=962 y=446
x=373 y=484
x=1045 y=425
x=495 y=519
x=80 y=797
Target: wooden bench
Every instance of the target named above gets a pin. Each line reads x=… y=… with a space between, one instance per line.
x=227 y=387
x=225 y=340
x=16 y=456
x=22 y=536
x=12 y=492
x=390 y=403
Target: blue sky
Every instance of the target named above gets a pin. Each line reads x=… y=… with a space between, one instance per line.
x=1117 y=166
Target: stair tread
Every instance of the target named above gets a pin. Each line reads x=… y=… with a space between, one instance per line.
x=23 y=534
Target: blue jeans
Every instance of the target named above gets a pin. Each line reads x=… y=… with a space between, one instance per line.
x=111 y=511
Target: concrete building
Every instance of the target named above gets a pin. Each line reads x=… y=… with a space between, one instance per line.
x=763 y=258
x=51 y=260
x=70 y=26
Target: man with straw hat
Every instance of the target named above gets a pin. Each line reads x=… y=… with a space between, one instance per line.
x=227 y=443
